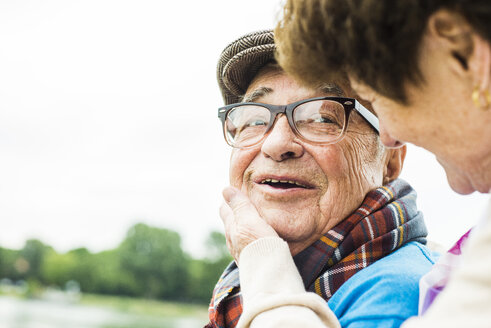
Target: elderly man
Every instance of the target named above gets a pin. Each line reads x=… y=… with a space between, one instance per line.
x=315 y=217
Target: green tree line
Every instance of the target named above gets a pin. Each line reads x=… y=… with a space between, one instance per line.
x=148 y=263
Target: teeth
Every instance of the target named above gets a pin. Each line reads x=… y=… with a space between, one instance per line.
x=284 y=181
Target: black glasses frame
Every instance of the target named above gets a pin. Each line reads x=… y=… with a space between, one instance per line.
x=349 y=104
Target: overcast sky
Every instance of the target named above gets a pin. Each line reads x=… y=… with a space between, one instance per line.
x=108 y=118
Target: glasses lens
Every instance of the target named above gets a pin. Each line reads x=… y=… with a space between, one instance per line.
x=246 y=125
x=320 y=120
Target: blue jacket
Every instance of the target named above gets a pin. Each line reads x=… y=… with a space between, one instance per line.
x=385 y=293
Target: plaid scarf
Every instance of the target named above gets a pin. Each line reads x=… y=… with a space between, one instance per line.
x=386 y=220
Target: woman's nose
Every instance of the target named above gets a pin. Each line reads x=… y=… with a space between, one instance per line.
x=387 y=140
x=281 y=143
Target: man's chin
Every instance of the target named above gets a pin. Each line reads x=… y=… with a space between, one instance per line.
x=287 y=232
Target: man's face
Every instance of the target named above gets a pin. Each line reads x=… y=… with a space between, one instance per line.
x=304 y=190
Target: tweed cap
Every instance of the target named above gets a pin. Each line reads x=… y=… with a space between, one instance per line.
x=241 y=60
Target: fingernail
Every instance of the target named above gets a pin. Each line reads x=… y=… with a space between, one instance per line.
x=228 y=193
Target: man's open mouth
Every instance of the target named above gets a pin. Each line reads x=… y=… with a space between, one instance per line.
x=284 y=184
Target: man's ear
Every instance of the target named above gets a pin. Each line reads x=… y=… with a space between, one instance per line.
x=449 y=32
x=394 y=160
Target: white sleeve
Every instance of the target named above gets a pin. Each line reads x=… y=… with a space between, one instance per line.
x=466 y=300
x=272 y=290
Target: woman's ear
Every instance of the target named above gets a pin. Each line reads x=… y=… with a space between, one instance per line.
x=463 y=49
x=449 y=32
x=480 y=64
x=394 y=161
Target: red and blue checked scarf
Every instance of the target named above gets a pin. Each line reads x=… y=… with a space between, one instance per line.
x=386 y=220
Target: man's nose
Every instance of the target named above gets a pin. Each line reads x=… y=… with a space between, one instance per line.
x=387 y=140
x=281 y=143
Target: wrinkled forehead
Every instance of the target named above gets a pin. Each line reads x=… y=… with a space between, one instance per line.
x=272 y=71
x=272 y=79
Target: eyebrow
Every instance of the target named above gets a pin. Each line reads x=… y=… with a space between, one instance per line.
x=256 y=94
x=331 y=89
x=328 y=88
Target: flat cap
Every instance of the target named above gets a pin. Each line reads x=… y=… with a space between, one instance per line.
x=241 y=60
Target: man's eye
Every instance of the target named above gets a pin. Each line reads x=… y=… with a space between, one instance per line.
x=256 y=123
x=326 y=120
x=256 y=126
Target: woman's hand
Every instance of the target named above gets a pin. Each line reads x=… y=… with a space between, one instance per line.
x=242 y=222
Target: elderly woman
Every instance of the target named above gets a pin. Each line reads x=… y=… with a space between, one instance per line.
x=316 y=217
x=425 y=66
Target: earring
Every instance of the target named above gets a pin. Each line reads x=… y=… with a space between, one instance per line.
x=481 y=98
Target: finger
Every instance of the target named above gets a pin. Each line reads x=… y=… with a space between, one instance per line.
x=229 y=192
x=226 y=214
x=239 y=203
x=228 y=219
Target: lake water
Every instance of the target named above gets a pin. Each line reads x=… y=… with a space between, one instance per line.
x=20 y=313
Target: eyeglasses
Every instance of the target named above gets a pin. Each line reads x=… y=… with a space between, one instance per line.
x=320 y=120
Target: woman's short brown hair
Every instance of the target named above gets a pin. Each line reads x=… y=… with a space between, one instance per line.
x=376 y=41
